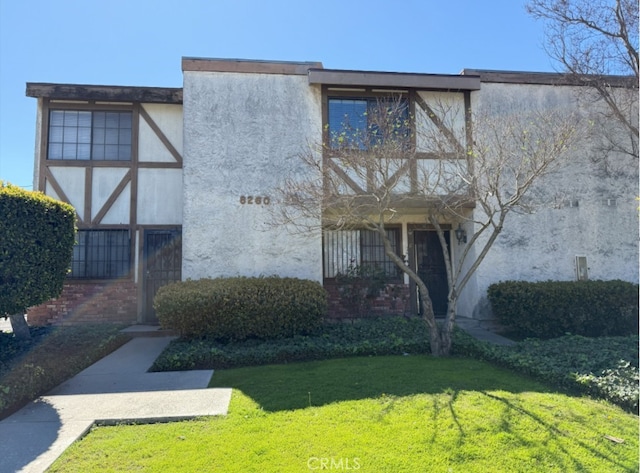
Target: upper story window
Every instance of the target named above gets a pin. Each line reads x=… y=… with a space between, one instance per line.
x=89 y=135
x=362 y=123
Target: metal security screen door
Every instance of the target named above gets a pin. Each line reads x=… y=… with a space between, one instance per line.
x=431 y=269
x=163 y=265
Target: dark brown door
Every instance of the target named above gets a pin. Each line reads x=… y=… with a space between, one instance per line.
x=163 y=264
x=431 y=268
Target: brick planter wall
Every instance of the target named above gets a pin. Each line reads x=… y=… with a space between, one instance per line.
x=109 y=301
x=393 y=300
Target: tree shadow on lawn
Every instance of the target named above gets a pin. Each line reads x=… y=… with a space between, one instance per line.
x=318 y=383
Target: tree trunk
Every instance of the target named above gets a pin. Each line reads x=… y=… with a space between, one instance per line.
x=20 y=327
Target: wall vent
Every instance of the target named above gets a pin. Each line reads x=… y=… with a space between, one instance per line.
x=582 y=270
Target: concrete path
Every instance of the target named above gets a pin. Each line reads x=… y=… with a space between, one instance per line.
x=115 y=389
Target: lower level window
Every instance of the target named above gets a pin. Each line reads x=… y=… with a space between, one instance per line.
x=348 y=248
x=101 y=254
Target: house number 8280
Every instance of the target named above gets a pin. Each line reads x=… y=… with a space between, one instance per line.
x=257 y=200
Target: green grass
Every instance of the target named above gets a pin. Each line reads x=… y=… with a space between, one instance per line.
x=375 y=414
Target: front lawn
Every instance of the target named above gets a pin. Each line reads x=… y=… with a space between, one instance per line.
x=376 y=414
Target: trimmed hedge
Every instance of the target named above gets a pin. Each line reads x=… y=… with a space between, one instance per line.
x=37 y=235
x=554 y=308
x=239 y=308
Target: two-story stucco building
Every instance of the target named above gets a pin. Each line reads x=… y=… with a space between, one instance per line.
x=177 y=183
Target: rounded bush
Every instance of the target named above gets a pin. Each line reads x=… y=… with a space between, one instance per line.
x=239 y=308
x=551 y=309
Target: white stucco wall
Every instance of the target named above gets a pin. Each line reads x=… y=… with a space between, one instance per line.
x=241 y=132
x=543 y=245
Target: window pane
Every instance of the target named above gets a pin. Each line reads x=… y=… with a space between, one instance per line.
x=98 y=152
x=111 y=136
x=55 y=134
x=84 y=135
x=69 y=151
x=98 y=119
x=70 y=119
x=110 y=152
x=56 y=118
x=112 y=120
x=84 y=151
x=84 y=119
x=55 y=151
x=101 y=254
x=124 y=152
x=70 y=135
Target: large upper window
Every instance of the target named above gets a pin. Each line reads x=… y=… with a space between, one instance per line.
x=89 y=135
x=101 y=254
x=360 y=123
x=347 y=248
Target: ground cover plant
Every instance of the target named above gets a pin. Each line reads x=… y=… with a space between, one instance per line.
x=376 y=414
x=603 y=367
x=29 y=369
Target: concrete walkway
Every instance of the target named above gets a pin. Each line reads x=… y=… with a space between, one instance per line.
x=115 y=389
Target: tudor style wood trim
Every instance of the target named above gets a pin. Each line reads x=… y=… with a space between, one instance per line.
x=394 y=79
x=104 y=93
x=440 y=124
x=47 y=176
x=159 y=133
x=343 y=175
x=88 y=193
x=195 y=64
x=126 y=179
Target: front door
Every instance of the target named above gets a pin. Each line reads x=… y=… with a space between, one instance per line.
x=429 y=262
x=163 y=264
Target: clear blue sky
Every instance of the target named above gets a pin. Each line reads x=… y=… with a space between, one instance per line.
x=141 y=42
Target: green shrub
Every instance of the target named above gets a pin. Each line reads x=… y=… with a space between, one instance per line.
x=53 y=355
x=554 y=308
x=358 y=286
x=239 y=308
x=36 y=244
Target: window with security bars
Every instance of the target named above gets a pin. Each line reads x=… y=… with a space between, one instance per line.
x=355 y=122
x=89 y=135
x=347 y=248
x=101 y=254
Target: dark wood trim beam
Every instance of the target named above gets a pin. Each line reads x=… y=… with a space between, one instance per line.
x=160 y=134
x=194 y=64
x=48 y=177
x=550 y=78
x=451 y=137
x=112 y=198
x=343 y=175
x=104 y=93
x=394 y=80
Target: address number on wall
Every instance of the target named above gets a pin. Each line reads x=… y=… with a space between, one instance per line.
x=255 y=199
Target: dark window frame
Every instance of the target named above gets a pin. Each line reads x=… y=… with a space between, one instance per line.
x=102 y=254
x=369 y=243
x=372 y=99
x=91 y=132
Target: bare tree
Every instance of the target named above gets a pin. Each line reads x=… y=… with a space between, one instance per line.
x=428 y=165
x=593 y=41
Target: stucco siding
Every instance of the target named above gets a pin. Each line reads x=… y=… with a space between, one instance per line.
x=241 y=135
x=581 y=209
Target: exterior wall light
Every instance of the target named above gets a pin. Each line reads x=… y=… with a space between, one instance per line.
x=461 y=235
